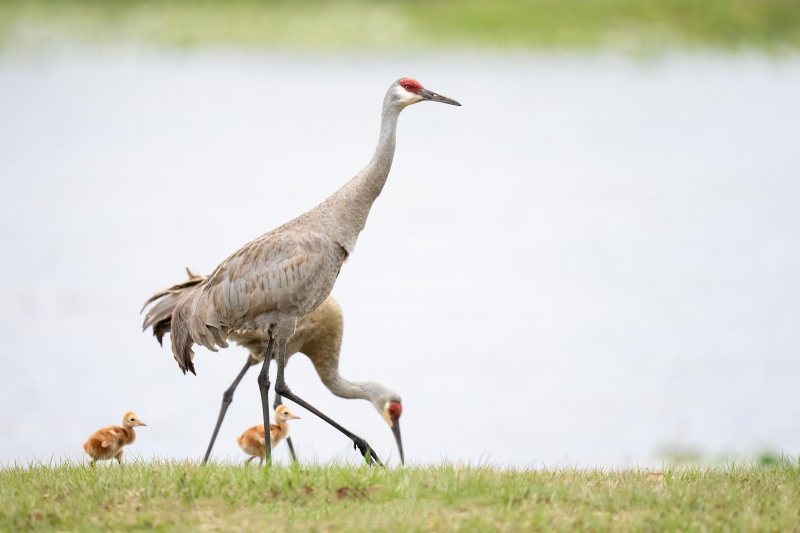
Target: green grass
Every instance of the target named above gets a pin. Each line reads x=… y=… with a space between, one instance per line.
x=407 y=24
x=176 y=496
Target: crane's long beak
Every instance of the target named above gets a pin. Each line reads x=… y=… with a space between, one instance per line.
x=433 y=97
x=396 y=431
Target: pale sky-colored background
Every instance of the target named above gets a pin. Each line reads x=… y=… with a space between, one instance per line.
x=592 y=259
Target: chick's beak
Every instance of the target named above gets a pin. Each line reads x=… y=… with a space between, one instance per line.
x=396 y=431
x=294 y=417
x=433 y=97
x=142 y=423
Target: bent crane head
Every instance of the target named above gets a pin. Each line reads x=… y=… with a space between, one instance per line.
x=390 y=409
x=407 y=91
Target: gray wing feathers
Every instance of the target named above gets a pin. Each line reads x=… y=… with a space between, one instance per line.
x=279 y=273
x=159 y=317
x=181 y=288
x=181 y=340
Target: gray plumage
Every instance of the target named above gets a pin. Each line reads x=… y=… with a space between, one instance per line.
x=286 y=273
x=318 y=336
x=269 y=283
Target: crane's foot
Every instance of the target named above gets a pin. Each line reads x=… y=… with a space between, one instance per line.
x=367 y=452
x=282 y=389
x=358 y=443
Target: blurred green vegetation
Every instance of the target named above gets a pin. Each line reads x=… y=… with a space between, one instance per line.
x=407 y=24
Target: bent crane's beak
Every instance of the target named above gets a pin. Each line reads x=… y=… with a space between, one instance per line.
x=433 y=97
x=396 y=430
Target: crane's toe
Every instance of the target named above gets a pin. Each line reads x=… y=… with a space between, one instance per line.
x=366 y=451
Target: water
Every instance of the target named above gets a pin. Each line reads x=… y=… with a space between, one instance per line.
x=593 y=259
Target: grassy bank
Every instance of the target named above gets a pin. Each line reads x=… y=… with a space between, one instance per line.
x=172 y=496
x=408 y=24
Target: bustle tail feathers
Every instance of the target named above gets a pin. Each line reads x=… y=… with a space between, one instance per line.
x=159 y=317
x=193 y=323
x=164 y=318
x=181 y=338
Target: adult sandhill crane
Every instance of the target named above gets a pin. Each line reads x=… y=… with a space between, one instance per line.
x=269 y=283
x=318 y=335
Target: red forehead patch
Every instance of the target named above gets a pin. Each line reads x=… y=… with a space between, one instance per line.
x=395 y=410
x=410 y=85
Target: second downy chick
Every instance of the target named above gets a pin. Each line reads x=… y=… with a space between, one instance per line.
x=253 y=442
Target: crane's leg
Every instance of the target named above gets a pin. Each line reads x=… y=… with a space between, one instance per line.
x=278 y=401
x=227 y=398
x=281 y=388
x=263 y=386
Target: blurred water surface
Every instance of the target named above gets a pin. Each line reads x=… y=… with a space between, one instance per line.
x=592 y=259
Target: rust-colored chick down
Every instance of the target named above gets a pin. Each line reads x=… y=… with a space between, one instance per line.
x=108 y=443
x=253 y=441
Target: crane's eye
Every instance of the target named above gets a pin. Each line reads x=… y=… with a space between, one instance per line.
x=407 y=87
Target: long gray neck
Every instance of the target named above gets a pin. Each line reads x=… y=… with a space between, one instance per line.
x=361 y=390
x=347 y=209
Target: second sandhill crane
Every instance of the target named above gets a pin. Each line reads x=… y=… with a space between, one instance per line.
x=270 y=283
x=318 y=335
x=108 y=443
x=253 y=442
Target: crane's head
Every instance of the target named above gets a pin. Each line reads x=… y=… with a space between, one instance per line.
x=407 y=91
x=284 y=413
x=131 y=420
x=391 y=407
